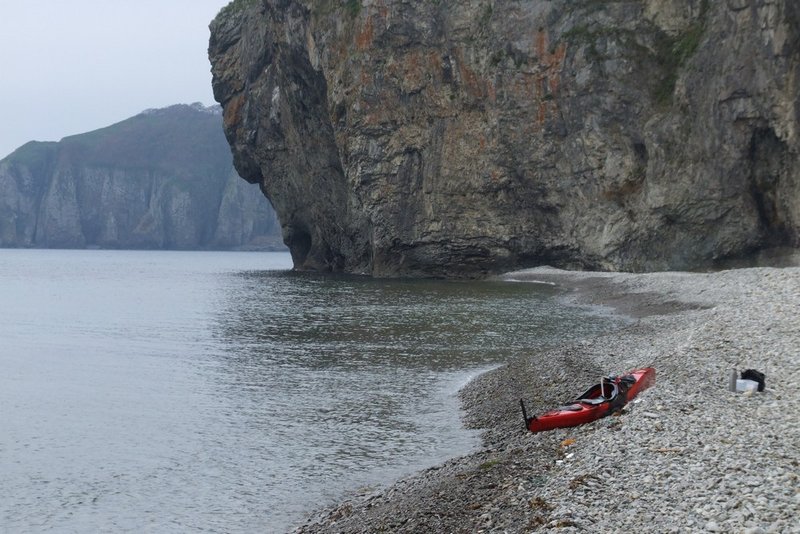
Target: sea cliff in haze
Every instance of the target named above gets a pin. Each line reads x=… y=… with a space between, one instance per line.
x=163 y=179
x=425 y=138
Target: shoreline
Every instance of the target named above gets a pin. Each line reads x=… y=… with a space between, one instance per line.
x=686 y=455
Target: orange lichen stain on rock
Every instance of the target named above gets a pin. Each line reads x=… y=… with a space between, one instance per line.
x=382 y=9
x=475 y=86
x=411 y=70
x=375 y=111
x=232 y=112
x=541 y=42
x=377 y=16
x=542 y=115
x=523 y=87
x=548 y=81
x=366 y=36
x=435 y=61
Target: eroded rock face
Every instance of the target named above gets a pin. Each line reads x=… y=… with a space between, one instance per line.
x=464 y=138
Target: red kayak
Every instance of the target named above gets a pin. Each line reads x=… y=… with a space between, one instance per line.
x=600 y=400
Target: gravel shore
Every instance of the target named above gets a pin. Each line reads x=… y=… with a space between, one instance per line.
x=686 y=456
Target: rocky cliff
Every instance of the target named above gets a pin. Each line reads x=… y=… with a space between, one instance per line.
x=162 y=179
x=464 y=138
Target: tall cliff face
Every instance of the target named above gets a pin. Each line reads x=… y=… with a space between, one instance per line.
x=162 y=179
x=464 y=138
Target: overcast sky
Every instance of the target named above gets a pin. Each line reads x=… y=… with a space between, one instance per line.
x=72 y=66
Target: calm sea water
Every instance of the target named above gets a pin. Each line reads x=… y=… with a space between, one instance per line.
x=219 y=392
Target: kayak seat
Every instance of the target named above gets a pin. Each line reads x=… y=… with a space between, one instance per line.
x=596 y=400
x=593 y=395
x=570 y=408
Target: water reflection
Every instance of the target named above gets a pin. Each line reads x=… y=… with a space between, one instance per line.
x=351 y=322
x=173 y=391
x=353 y=380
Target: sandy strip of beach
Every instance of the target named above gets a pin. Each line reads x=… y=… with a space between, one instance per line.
x=687 y=455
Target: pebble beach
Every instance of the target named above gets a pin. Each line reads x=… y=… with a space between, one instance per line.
x=687 y=455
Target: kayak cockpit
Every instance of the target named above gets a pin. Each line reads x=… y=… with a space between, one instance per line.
x=599 y=393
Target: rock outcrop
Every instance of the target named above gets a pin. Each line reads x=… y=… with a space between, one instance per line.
x=162 y=179
x=464 y=138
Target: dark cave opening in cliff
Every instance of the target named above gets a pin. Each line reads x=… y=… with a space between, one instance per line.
x=768 y=155
x=299 y=245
